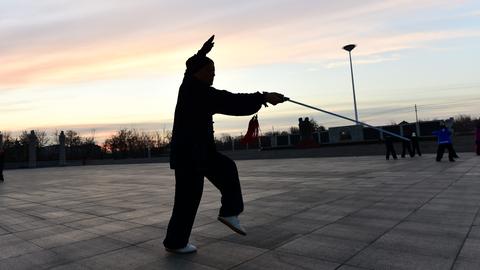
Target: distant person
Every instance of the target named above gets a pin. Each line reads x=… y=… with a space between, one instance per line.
x=389 y=147
x=477 y=138
x=444 y=141
x=406 y=147
x=193 y=154
x=449 y=125
x=2 y=160
x=415 y=145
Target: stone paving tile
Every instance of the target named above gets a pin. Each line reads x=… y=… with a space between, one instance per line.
x=3 y=231
x=71 y=218
x=11 y=246
x=453 y=231
x=372 y=258
x=351 y=232
x=42 y=259
x=462 y=264
x=418 y=243
x=224 y=255
x=138 y=235
x=300 y=225
x=89 y=222
x=323 y=247
x=442 y=217
x=368 y=222
x=126 y=258
x=349 y=267
x=112 y=227
x=267 y=237
x=172 y=262
x=61 y=239
x=71 y=266
x=470 y=250
x=283 y=261
x=474 y=232
x=88 y=248
x=43 y=232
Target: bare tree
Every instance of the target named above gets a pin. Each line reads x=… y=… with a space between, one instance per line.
x=72 y=138
x=42 y=138
x=89 y=139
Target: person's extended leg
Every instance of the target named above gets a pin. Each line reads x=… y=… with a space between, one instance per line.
x=440 y=150
x=394 y=154
x=188 y=192
x=223 y=174
x=451 y=152
x=418 y=150
x=410 y=150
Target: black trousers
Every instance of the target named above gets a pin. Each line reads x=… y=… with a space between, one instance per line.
x=441 y=150
x=416 y=148
x=406 y=147
x=390 y=150
x=223 y=174
x=2 y=160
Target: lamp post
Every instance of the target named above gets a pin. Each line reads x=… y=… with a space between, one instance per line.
x=349 y=48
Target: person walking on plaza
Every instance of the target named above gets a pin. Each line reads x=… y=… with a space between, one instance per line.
x=415 y=145
x=193 y=155
x=477 y=138
x=444 y=141
x=389 y=147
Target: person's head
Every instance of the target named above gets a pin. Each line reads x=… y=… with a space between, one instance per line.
x=206 y=74
x=202 y=68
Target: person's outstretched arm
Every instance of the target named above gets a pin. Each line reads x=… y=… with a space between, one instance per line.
x=224 y=102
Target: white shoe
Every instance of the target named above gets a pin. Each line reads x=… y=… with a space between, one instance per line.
x=189 y=248
x=233 y=223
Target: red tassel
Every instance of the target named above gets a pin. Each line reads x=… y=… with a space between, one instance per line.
x=252 y=133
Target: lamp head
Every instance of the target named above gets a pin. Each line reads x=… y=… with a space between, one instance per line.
x=349 y=47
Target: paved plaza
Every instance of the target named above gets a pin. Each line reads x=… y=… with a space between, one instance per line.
x=318 y=213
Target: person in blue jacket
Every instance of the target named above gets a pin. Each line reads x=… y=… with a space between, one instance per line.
x=444 y=141
x=193 y=154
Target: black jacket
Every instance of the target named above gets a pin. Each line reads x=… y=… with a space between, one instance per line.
x=192 y=137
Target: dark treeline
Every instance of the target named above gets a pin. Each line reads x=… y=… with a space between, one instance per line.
x=125 y=143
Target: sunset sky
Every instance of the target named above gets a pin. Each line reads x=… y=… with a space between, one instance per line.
x=111 y=64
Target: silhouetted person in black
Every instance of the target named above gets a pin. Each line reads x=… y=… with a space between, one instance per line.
x=2 y=160
x=477 y=138
x=415 y=144
x=193 y=154
x=389 y=147
x=406 y=147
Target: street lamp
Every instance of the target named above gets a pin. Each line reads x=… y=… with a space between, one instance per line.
x=349 y=48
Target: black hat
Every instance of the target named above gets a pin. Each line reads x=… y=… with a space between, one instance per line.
x=197 y=62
